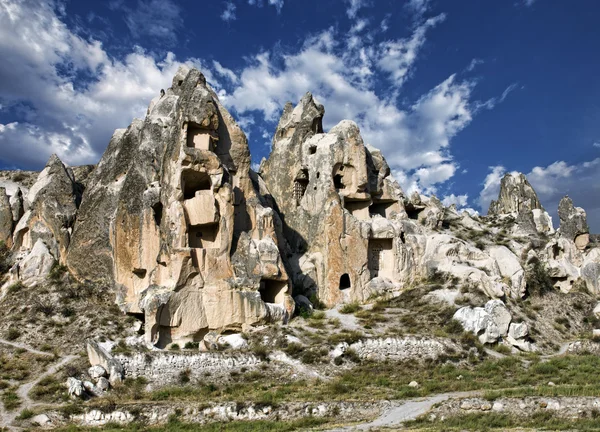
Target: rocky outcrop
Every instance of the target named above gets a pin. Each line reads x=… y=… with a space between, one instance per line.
x=339 y=205
x=174 y=219
x=6 y=219
x=492 y=323
x=50 y=211
x=573 y=223
x=516 y=195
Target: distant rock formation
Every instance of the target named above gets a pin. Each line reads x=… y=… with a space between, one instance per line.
x=516 y=195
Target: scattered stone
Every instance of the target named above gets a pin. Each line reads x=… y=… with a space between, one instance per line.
x=103 y=384
x=41 y=420
x=413 y=384
x=96 y=372
x=75 y=387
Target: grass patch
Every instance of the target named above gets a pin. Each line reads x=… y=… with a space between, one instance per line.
x=174 y=425
x=350 y=308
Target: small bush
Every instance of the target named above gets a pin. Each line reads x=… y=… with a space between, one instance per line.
x=185 y=376
x=26 y=414
x=12 y=334
x=350 y=308
x=191 y=345
x=57 y=272
x=15 y=288
x=538 y=280
x=454 y=327
x=174 y=347
x=4 y=258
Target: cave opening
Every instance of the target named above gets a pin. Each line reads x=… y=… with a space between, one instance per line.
x=273 y=291
x=345 y=282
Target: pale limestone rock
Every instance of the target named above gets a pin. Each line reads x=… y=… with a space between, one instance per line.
x=479 y=322
x=597 y=310
x=510 y=268
x=499 y=314
x=96 y=372
x=75 y=387
x=36 y=265
x=97 y=355
x=41 y=420
x=413 y=384
x=543 y=222
x=518 y=331
x=103 y=384
x=235 y=341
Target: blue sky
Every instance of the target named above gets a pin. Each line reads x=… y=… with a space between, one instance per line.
x=455 y=93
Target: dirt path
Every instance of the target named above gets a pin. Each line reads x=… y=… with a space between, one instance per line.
x=402 y=411
x=25 y=347
x=7 y=418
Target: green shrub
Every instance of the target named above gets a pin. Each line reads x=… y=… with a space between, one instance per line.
x=350 y=308
x=4 y=258
x=174 y=347
x=454 y=327
x=191 y=345
x=26 y=414
x=12 y=334
x=538 y=280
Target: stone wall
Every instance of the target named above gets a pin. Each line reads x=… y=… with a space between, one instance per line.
x=166 y=367
x=403 y=348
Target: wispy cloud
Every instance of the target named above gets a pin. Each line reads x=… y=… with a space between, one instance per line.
x=157 y=19
x=354 y=6
x=229 y=12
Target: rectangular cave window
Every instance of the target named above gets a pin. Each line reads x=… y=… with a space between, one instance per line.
x=203 y=236
x=272 y=291
x=300 y=186
x=381 y=258
x=413 y=213
x=382 y=209
x=194 y=181
x=345 y=282
x=199 y=138
x=358 y=209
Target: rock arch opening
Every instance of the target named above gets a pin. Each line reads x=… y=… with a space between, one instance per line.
x=194 y=181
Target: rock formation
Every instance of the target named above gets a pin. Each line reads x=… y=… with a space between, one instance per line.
x=338 y=204
x=573 y=223
x=516 y=194
x=196 y=244
x=175 y=222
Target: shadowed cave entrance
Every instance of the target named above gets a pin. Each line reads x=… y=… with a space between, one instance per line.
x=345 y=282
x=273 y=291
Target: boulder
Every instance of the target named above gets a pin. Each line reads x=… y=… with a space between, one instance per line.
x=413 y=384
x=573 y=223
x=103 y=384
x=478 y=321
x=510 y=268
x=499 y=314
x=235 y=341
x=41 y=420
x=518 y=331
x=96 y=372
x=97 y=355
x=75 y=387
x=339 y=350
x=36 y=265
x=597 y=310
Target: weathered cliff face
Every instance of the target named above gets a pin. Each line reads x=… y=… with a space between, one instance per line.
x=338 y=203
x=573 y=223
x=173 y=219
